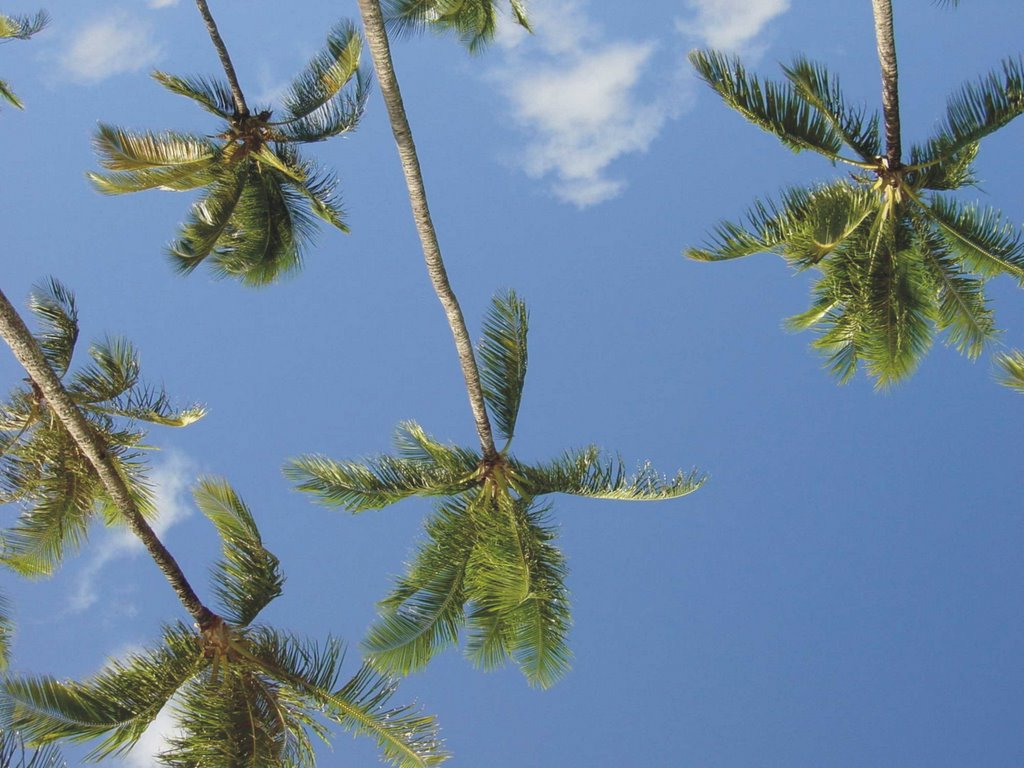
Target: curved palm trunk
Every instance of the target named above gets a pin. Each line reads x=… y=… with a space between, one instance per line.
x=377 y=39
x=890 y=80
x=18 y=337
x=225 y=59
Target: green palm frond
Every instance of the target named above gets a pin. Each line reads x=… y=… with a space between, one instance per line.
x=141 y=161
x=406 y=737
x=211 y=94
x=768 y=225
x=22 y=27
x=317 y=186
x=980 y=236
x=821 y=89
x=6 y=638
x=498 y=573
x=942 y=172
x=117 y=704
x=589 y=473
x=979 y=109
x=9 y=96
x=415 y=445
x=14 y=754
x=57 y=316
x=1012 y=373
x=473 y=21
x=778 y=108
x=424 y=612
x=503 y=358
x=248 y=577
x=326 y=75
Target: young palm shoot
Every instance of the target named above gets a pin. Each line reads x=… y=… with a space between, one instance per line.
x=243 y=694
x=900 y=259
x=43 y=469
x=488 y=561
x=475 y=22
x=261 y=197
x=18 y=28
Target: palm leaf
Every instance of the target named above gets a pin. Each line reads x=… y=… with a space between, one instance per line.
x=6 y=638
x=473 y=21
x=939 y=172
x=318 y=187
x=121 y=150
x=589 y=473
x=54 y=307
x=9 y=96
x=1012 y=374
x=208 y=226
x=213 y=95
x=22 y=27
x=980 y=236
x=821 y=89
x=779 y=108
x=326 y=74
x=503 y=359
x=13 y=754
x=248 y=577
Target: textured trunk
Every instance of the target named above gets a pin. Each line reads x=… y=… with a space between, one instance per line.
x=18 y=337
x=377 y=39
x=225 y=59
x=890 y=80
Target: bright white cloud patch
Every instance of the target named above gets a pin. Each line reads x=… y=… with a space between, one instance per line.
x=112 y=45
x=162 y=3
x=154 y=740
x=730 y=25
x=171 y=480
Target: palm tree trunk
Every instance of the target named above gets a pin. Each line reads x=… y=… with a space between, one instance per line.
x=18 y=337
x=890 y=80
x=225 y=59
x=377 y=39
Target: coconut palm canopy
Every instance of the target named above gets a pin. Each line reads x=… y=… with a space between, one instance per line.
x=843 y=591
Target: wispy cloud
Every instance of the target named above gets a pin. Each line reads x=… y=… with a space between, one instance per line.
x=162 y=3
x=583 y=100
x=112 y=45
x=730 y=25
x=154 y=740
x=171 y=479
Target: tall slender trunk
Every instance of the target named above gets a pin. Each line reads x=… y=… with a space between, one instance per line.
x=222 y=51
x=18 y=337
x=377 y=39
x=890 y=80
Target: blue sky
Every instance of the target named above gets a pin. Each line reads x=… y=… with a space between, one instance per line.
x=844 y=591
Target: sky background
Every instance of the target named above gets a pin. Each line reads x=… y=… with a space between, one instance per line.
x=845 y=590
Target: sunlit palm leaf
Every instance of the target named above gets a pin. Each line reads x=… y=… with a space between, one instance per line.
x=942 y=172
x=1012 y=374
x=14 y=754
x=980 y=236
x=208 y=226
x=9 y=96
x=213 y=95
x=248 y=576
x=503 y=359
x=54 y=307
x=474 y=21
x=318 y=187
x=326 y=74
x=6 y=639
x=121 y=150
x=22 y=27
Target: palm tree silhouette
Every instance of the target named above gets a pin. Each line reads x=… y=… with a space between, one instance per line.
x=261 y=196
x=899 y=259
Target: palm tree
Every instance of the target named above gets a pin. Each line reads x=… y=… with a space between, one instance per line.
x=1012 y=365
x=243 y=694
x=13 y=754
x=474 y=21
x=488 y=561
x=18 y=28
x=261 y=196
x=41 y=466
x=900 y=258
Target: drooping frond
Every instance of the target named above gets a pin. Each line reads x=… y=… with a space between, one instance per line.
x=414 y=444
x=121 y=150
x=1012 y=365
x=821 y=89
x=406 y=737
x=424 y=612
x=54 y=307
x=117 y=704
x=768 y=225
x=979 y=109
x=333 y=119
x=317 y=186
x=22 y=27
x=779 y=108
x=980 y=236
x=207 y=228
x=499 y=577
x=502 y=355
x=211 y=94
x=327 y=73
x=589 y=473
x=14 y=754
x=248 y=577
x=474 y=21
x=942 y=172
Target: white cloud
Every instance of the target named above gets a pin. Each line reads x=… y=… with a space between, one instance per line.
x=112 y=45
x=730 y=25
x=170 y=479
x=154 y=739
x=162 y=3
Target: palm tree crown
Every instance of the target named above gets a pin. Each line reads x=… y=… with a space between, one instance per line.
x=488 y=546
x=473 y=21
x=41 y=466
x=899 y=257
x=244 y=695
x=261 y=197
x=18 y=28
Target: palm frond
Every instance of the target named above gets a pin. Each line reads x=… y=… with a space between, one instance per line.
x=122 y=150
x=778 y=108
x=54 y=307
x=424 y=612
x=490 y=640
x=318 y=187
x=1012 y=374
x=980 y=236
x=117 y=704
x=821 y=89
x=208 y=227
x=6 y=638
x=503 y=359
x=113 y=372
x=473 y=21
x=14 y=754
x=498 y=577
x=327 y=73
x=414 y=444
x=9 y=96
x=768 y=225
x=22 y=27
x=333 y=119
x=248 y=577
x=211 y=94
x=937 y=171
x=406 y=737
x=589 y=473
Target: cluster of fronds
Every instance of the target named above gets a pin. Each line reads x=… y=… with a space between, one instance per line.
x=18 y=28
